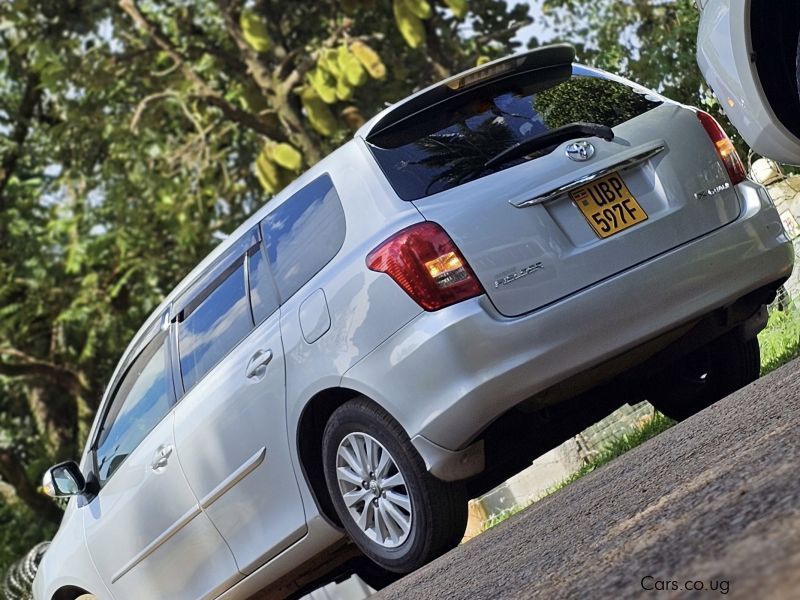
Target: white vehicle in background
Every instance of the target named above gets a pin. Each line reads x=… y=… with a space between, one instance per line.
x=749 y=53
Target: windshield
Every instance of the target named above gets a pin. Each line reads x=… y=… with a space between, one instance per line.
x=449 y=143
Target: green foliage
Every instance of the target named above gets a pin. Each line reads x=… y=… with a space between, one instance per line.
x=286 y=156
x=409 y=23
x=369 y=59
x=319 y=115
x=652 y=42
x=780 y=341
x=459 y=7
x=254 y=29
x=324 y=84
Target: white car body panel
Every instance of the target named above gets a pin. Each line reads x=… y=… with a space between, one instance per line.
x=145 y=530
x=247 y=489
x=724 y=51
x=71 y=565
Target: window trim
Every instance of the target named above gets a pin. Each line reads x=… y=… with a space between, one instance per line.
x=262 y=249
x=175 y=362
x=197 y=299
x=208 y=280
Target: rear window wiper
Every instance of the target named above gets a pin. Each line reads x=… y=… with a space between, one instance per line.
x=550 y=138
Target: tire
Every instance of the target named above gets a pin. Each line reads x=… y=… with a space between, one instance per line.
x=431 y=515
x=705 y=376
x=376 y=577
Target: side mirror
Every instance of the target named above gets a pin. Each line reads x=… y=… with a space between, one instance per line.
x=64 y=480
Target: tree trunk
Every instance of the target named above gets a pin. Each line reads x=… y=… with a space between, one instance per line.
x=13 y=473
x=28 y=103
x=278 y=94
x=56 y=399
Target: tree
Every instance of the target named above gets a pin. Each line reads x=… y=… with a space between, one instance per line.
x=652 y=42
x=135 y=135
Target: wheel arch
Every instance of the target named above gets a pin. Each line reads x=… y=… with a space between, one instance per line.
x=774 y=36
x=310 y=428
x=69 y=592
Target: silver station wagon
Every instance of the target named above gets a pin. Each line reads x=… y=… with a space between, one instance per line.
x=488 y=267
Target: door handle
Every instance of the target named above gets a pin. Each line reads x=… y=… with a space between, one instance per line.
x=257 y=365
x=161 y=457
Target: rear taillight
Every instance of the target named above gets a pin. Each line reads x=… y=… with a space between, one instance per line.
x=425 y=262
x=725 y=148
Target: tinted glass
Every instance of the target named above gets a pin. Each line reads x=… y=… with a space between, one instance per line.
x=143 y=398
x=303 y=234
x=262 y=291
x=213 y=327
x=448 y=144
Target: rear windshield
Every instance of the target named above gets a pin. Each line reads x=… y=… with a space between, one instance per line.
x=448 y=144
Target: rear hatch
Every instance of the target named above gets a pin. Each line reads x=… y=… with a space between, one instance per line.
x=538 y=227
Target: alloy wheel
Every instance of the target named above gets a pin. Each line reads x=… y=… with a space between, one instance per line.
x=373 y=489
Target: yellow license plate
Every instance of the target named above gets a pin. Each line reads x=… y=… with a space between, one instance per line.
x=608 y=205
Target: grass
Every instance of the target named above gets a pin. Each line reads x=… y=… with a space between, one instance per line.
x=656 y=424
x=780 y=341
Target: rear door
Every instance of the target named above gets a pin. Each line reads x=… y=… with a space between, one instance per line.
x=748 y=52
x=541 y=227
x=230 y=426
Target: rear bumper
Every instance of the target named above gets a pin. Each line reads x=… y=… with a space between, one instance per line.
x=446 y=375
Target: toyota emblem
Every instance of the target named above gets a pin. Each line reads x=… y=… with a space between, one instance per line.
x=580 y=151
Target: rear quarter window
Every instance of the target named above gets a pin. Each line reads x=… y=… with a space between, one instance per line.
x=448 y=144
x=303 y=234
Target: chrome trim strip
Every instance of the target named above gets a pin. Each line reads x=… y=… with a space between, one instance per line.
x=249 y=465
x=627 y=163
x=182 y=522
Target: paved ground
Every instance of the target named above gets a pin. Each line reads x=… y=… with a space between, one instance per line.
x=715 y=500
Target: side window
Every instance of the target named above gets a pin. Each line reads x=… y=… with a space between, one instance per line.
x=212 y=325
x=303 y=234
x=142 y=399
x=262 y=290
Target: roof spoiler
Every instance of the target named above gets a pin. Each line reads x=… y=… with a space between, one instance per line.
x=545 y=56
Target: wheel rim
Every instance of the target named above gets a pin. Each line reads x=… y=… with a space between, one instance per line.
x=373 y=489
